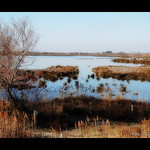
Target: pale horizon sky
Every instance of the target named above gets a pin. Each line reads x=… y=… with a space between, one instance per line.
x=89 y=31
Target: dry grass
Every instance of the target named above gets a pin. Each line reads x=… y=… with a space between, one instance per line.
x=107 y=129
x=13 y=124
x=64 y=111
x=134 y=60
x=124 y=72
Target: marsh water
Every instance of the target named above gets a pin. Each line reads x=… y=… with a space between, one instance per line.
x=85 y=84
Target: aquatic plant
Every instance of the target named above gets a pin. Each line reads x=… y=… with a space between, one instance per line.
x=100 y=88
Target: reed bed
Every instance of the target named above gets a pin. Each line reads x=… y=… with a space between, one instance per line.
x=106 y=129
x=124 y=72
x=62 y=112
x=13 y=124
x=133 y=60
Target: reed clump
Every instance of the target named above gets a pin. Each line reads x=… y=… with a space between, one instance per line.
x=91 y=129
x=124 y=72
x=13 y=124
x=133 y=60
x=100 y=88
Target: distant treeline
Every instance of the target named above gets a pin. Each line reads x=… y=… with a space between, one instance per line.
x=102 y=54
x=74 y=54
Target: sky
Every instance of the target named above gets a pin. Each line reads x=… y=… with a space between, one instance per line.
x=89 y=31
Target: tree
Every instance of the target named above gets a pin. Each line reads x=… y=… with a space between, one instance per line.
x=16 y=39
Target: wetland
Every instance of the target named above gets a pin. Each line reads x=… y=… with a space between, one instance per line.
x=64 y=89
x=84 y=80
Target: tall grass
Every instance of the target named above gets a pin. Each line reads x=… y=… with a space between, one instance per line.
x=107 y=129
x=13 y=124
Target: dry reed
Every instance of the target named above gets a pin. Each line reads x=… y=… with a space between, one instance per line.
x=13 y=124
x=106 y=129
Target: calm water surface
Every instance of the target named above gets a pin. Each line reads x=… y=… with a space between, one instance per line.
x=83 y=85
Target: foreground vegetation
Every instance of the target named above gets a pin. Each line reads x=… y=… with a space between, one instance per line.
x=13 y=123
x=75 y=117
x=106 y=129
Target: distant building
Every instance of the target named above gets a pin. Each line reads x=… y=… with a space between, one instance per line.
x=108 y=52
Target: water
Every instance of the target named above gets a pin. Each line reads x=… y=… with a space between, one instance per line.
x=86 y=86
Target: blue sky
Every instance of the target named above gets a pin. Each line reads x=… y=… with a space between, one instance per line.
x=89 y=31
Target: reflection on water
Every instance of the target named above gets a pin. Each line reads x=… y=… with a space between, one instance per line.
x=86 y=83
